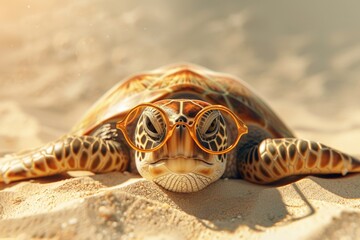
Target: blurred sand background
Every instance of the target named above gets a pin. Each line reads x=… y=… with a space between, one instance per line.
x=59 y=57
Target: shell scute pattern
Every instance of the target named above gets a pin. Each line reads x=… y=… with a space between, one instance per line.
x=175 y=82
x=181 y=77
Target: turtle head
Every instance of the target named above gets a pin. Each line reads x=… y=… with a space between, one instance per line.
x=185 y=141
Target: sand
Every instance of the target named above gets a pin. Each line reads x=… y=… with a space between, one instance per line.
x=58 y=58
x=124 y=206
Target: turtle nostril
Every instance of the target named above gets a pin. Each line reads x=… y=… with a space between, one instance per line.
x=181 y=119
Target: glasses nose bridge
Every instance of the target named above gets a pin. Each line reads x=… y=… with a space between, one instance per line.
x=180 y=123
x=185 y=124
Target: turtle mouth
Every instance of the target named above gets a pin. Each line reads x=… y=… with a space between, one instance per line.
x=180 y=165
x=180 y=159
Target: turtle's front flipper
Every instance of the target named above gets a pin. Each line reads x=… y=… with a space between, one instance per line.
x=68 y=153
x=274 y=159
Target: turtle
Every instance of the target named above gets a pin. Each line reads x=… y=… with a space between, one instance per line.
x=183 y=127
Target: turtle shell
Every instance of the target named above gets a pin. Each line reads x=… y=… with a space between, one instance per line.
x=188 y=82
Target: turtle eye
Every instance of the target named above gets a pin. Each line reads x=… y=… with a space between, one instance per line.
x=153 y=128
x=214 y=126
x=150 y=126
x=209 y=125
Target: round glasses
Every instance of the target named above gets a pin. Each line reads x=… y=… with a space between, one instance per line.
x=215 y=129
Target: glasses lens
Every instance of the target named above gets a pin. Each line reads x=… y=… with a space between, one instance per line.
x=216 y=130
x=146 y=127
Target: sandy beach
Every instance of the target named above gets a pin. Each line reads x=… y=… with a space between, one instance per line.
x=58 y=58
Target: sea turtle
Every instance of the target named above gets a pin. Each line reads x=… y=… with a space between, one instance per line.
x=183 y=127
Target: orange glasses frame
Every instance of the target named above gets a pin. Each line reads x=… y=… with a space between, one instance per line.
x=241 y=127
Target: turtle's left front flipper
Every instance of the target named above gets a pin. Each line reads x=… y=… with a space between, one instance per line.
x=68 y=153
x=274 y=159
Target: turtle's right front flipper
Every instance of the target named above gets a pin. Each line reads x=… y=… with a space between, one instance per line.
x=68 y=153
x=274 y=159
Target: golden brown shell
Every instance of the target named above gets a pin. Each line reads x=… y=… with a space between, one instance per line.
x=182 y=81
